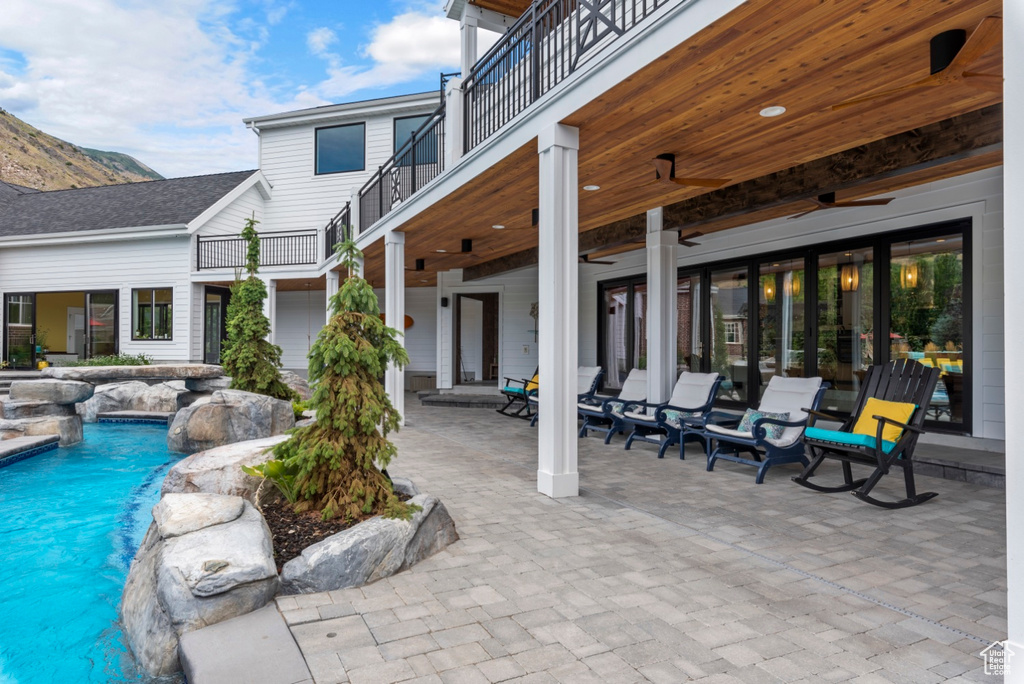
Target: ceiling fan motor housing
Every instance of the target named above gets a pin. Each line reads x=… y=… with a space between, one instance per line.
x=945 y=47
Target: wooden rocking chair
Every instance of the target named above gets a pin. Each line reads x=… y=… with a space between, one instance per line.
x=871 y=437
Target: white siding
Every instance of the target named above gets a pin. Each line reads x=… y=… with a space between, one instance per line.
x=231 y=219
x=121 y=266
x=302 y=199
x=300 y=316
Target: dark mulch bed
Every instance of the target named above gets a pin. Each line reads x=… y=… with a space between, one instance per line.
x=293 y=532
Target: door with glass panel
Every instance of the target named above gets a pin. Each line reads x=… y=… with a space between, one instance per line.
x=20 y=330
x=730 y=317
x=846 y=327
x=926 y=316
x=623 y=340
x=690 y=349
x=100 y=323
x=781 y=314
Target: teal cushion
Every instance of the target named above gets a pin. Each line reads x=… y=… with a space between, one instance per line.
x=773 y=431
x=846 y=438
x=514 y=390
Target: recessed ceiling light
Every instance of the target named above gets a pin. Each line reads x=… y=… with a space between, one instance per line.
x=423 y=281
x=774 y=110
x=941 y=240
x=847 y=253
x=498 y=226
x=441 y=251
x=591 y=188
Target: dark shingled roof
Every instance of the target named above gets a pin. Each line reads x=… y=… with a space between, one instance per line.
x=149 y=203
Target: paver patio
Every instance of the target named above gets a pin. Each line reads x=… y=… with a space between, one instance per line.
x=660 y=571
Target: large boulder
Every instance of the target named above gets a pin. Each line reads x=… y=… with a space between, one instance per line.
x=52 y=391
x=297 y=383
x=206 y=558
x=373 y=549
x=226 y=417
x=208 y=384
x=219 y=470
x=68 y=428
x=110 y=397
x=35 y=409
x=98 y=375
x=165 y=397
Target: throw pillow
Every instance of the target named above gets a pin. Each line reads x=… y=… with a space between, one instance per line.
x=751 y=415
x=675 y=418
x=896 y=410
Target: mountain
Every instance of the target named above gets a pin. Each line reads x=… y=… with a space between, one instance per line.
x=37 y=160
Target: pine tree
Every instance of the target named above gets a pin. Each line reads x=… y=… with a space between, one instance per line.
x=252 y=362
x=342 y=456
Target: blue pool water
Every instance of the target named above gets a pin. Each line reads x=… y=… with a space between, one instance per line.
x=70 y=522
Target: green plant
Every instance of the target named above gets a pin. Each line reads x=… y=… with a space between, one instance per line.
x=253 y=363
x=280 y=474
x=300 y=407
x=114 y=360
x=342 y=457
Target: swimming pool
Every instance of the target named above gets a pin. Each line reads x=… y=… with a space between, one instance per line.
x=70 y=522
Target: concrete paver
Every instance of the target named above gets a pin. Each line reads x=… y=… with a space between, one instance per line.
x=660 y=571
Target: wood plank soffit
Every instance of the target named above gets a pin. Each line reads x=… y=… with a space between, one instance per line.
x=960 y=137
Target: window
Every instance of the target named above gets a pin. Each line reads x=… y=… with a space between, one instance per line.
x=152 y=314
x=405 y=127
x=19 y=310
x=341 y=148
x=732 y=332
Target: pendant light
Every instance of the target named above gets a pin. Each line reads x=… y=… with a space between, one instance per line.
x=849 y=277
x=769 y=288
x=909 y=275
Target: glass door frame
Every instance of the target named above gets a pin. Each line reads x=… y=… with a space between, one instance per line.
x=88 y=320
x=6 y=329
x=629 y=283
x=225 y=294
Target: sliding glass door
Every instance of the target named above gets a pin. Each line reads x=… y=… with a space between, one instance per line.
x=20 y=330
x=100 y=323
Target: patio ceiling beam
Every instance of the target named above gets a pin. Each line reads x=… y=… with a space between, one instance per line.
x=971 y=134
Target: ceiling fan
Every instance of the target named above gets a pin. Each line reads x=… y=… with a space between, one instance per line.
x=952 y=52
x=467 y=251
x=665 y=172
x=585 y=259
x=828 y=201
x=684 y=240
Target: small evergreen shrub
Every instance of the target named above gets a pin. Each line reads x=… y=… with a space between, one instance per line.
x=253 y=363
x=342 y=457
x=113 y=360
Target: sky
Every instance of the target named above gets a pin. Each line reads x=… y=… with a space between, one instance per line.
x=169 y=81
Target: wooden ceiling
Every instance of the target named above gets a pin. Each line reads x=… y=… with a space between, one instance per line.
x=700 y=101
x=512 y=8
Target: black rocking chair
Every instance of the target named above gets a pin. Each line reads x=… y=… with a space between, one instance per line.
x=903 y=381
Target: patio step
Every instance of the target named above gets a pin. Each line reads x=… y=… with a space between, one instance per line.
x=433 y=398
x=987 y=472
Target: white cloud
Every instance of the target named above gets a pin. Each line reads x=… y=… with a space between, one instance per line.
x=318 y=40
x=169 y=82
x=410 y=45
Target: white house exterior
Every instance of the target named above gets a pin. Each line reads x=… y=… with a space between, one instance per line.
x=561 y=127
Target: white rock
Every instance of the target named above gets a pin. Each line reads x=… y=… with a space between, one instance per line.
x=178 y=514
x=53 y=391
x=219 y=470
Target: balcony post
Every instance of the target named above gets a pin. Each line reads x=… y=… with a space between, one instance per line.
x=468 y=29
x=662 y=314
x=394 y=312
x=353 y=216
x=558 y=325
x=270 y=307
x=1013 y=322
x=453 y=123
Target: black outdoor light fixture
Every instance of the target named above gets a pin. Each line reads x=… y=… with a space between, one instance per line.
x=421 y=264
x=467 y=245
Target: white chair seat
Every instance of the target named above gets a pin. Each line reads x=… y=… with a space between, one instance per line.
x=641 y=417
x=782 y=441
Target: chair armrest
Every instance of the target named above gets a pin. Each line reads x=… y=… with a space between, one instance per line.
x=822 y=414
x=760 y=432
x=659 y=414
x=890 y=421
x=722 y=418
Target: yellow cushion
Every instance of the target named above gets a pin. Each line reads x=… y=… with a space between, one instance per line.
x=867 y=425
x=532 y=385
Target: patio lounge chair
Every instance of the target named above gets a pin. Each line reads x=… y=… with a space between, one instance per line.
x=518 y=392
x=607 y=416
x=587 y=380
x=881 y=432
x=662 y=424
x=772 y=434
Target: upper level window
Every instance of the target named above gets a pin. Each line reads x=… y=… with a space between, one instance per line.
x=341 y=148
x=152 y=314
x=405 y=127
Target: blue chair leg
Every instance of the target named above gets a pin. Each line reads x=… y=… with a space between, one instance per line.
x=608 y=435
x=629 y=440
x=665 y=444
x=533 y=421
x=712 y=457
x=761 y=470
x=583 y=428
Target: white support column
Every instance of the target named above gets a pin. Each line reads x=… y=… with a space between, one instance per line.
x=394 y=311
x=270 y=307
x=662 y=314
x=353 y=213
x=445 y=331
x=332 y=284
x=1013 y=321
x=453 y=122
x=558 y=324
x=468 y=33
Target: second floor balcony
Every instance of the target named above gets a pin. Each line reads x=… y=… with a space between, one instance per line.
x=285 y=248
